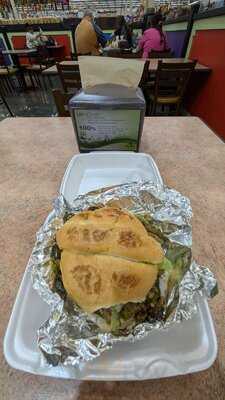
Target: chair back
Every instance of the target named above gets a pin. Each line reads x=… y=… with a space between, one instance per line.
x=160 y=54
x=172 y=78
x=69 y=76
x=123 y=53
x=145 y=75
x=41 y=57
x=61 y=102
x=123 y=44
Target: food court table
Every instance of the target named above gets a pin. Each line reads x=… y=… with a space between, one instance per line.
x=53 y=69
x=34 y=155
x=152 y=66
x=16 y=56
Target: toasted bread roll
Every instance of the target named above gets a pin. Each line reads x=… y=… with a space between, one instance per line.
x=101 y=281
x=110 y=231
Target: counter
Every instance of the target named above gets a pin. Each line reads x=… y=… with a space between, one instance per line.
x=35 y=152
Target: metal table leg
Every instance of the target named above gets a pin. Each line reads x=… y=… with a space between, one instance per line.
x=16 y=60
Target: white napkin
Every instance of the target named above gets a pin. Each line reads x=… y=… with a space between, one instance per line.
x=108 y=70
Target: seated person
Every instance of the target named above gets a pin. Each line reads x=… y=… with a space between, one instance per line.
x=88 y=36
x=33 y=39
x=153 y=38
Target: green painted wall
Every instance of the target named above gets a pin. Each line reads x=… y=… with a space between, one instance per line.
x=179 y=26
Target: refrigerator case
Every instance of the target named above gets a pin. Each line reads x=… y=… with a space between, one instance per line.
x=108 y=118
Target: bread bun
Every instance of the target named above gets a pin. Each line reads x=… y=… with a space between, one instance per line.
x=101 y=281
x=110 y=231
x=108 y=258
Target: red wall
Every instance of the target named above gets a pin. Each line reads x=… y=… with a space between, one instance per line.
x=19 y=42
x=65 y=40
x=208 y=47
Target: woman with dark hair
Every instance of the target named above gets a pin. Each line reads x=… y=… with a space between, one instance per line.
x=153 y=38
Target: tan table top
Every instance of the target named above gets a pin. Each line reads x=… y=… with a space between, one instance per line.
x=53 y=70
x=154 y=64
x=50 y=71
x=152 y=67
x=69 y=62
x=19 y=51
x=34 y=155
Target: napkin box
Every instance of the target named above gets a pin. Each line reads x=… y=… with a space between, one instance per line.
x=108 y=117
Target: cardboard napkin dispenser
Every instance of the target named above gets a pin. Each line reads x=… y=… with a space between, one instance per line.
x=108 y=118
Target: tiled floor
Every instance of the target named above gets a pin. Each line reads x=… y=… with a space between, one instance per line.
x=31 y=103
x=38 y=103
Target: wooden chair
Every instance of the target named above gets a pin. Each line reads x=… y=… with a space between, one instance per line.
x=69 y=76
x=170 y=84
x=160 y=54
x=61 y=102
x=145 y=75
x=146 y=82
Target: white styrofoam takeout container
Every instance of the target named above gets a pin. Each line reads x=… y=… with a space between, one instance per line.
x=184 y=348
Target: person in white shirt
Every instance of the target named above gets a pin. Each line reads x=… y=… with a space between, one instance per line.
x=33 y=39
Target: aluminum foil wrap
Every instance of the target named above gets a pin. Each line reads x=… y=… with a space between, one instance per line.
x=70 y=336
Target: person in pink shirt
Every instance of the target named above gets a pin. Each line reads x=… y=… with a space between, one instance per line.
x=153 y=38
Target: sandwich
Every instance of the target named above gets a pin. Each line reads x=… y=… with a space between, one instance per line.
x=109 y=265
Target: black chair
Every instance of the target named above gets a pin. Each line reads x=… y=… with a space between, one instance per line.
x=123 y=53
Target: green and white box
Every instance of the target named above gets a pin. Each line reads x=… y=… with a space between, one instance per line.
x=108 y=117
